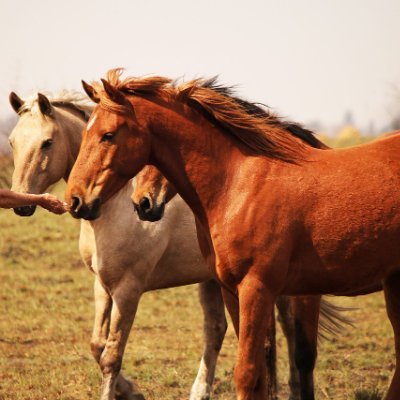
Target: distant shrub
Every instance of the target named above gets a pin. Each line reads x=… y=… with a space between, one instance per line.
x=348 y=136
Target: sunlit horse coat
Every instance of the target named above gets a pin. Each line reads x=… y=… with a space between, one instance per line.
x=119 y=249
x=280 y=217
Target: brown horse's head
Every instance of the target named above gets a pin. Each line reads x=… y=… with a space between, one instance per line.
x=112 y=137
x=151 y=193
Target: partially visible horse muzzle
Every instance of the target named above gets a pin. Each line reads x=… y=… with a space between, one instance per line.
x=88 y=212
x=152 y=214
x=25 y=211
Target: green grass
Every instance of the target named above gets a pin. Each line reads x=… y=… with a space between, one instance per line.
x=46 y=314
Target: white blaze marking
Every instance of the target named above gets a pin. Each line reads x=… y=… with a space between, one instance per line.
x=91 y=121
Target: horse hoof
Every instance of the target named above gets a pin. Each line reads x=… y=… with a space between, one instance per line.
x=131 y=396
x=200 y=391
x=138 y=396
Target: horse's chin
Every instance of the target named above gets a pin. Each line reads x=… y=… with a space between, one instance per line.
x=25 y=211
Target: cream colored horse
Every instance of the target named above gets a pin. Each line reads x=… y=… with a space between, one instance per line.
x=127 y=256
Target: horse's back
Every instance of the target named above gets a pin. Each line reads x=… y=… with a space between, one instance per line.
x=351 y=209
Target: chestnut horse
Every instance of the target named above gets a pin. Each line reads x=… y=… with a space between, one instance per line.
x=45 y=143
x=149 y=197
x=280 y=217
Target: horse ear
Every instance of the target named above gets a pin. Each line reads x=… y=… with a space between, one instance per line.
x=89 y=90
x=116 y=95
x=15 y=101
x=44 y=105
x=113 y=93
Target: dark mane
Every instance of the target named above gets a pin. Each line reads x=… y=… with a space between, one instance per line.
x=260 y=131
x=83 y=113
x=256 y=110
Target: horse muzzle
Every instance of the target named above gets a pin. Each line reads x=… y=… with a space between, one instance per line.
x=147 y=211
x=89 y=211
x=25 y=211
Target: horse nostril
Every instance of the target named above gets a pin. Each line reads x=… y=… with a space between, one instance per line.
x=25 y=211
x=76 y=203
x=145 y=204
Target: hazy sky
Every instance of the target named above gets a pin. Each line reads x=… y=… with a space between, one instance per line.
x=309 y=60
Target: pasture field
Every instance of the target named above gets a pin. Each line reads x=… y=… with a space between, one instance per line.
x=46 y=314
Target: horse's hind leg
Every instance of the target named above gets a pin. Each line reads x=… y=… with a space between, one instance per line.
x=286 y=319
x=215 y=326
x=306 y=316
x=391 y=287
x=299 y=319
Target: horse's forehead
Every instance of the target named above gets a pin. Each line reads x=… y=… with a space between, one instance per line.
x=32 y=126
x=102 y=119
x=92 y=120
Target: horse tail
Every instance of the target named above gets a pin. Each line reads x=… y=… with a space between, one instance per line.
x=332 y=320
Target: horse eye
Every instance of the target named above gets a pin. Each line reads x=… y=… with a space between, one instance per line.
x=47 y=143
x=107 y=137
x=10 y=143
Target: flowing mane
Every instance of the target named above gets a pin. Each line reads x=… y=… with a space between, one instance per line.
x=76 y=102
x=260 y=131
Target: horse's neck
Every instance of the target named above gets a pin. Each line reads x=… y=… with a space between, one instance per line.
x=197 y=158
x=71 y=127
x=207 y=166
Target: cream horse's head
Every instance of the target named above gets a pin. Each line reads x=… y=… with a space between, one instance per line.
x=45 y=142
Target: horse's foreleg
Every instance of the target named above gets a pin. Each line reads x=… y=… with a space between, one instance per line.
x=256 y=304
x=306 y=316
x=232 y=304
x=103 y=304
x=125 y=300
x=391 y=287
x=215 y=326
